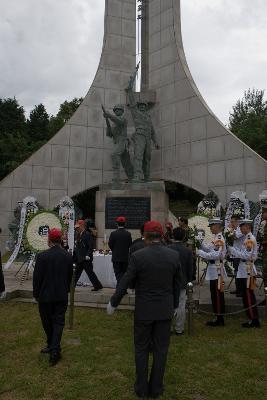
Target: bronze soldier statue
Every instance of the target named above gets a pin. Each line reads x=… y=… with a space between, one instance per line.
x=144 y=133
x=118 y=131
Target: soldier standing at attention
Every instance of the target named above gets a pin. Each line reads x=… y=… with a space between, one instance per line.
x=264 y=247
x=118 y=131
x=144 y=133
x=246 y=272
x=2 y=281
x=214 y=253
x=119 y=243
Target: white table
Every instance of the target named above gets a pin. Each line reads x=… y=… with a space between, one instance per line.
x=104 y=270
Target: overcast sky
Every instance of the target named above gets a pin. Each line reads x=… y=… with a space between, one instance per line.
x=49 y=50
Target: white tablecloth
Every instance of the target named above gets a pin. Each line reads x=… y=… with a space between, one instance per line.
x=104 y=270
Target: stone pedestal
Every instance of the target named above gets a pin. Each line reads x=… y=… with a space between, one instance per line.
x=151 y=196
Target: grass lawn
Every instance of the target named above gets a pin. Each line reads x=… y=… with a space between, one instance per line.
x=225 y=363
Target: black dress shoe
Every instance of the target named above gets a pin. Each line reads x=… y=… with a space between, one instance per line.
x=233 y=292
x=96 y=289
x=45 y=350
x=263 y=303
x=54 y=358
x=179 y=333
x=255 y=323
x=216 y=322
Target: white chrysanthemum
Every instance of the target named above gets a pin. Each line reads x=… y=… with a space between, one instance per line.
x=36 y=241
x=201 y=222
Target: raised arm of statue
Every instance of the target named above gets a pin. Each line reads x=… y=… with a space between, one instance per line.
x=114 y=118
x=129 y=89
x=109 y=132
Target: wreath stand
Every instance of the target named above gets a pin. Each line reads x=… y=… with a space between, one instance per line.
x=25 y=268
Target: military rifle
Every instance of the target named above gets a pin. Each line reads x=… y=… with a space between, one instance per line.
x=109 y=129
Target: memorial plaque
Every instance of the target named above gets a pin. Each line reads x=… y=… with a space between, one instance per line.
x=136 y=210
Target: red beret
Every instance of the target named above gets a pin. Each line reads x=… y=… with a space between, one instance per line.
x=79 y=223
x=153 y=227
x=54 y=234
x=120 y=219
x=169 y=225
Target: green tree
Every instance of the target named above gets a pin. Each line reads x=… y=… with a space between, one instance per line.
x=13 y=141
x=38 y=124
x=248 y=120
x=12 y=116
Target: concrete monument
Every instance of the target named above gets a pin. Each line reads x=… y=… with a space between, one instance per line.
x=195 y=148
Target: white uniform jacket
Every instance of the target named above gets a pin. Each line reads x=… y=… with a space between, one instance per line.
x=246 y=256
x=214 y=256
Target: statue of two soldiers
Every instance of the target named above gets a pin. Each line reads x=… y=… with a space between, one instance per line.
x=144 y=134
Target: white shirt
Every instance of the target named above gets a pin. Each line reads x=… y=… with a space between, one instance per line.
x=239 y=238
x=210 y=253
x=246 y=256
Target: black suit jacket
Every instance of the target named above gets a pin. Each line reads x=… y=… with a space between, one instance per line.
x=156 y=272
x=119 y=243
x=84 y=247
x=52 y=275
x=136 y=245
x=186 y=258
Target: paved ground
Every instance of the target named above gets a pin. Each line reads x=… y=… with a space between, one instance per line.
x=21 y=289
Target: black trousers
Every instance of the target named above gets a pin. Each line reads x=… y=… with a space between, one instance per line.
x=146 y=333
x=119 y=269
x=88 y=267
x=2 y=281
x=53 y=321
x=217 y=299
x=248 y=298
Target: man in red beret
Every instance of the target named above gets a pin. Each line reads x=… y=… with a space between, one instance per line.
x=156 y=272
x=119 y=243
x=51 y=285
x=84 y=255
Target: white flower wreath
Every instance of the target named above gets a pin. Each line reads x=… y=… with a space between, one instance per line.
x=37 y=230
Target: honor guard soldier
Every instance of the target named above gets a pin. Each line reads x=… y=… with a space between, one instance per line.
x=246 y=272
x=214 y=254
x=2 y=281
x=238 y=240
x=264 y=245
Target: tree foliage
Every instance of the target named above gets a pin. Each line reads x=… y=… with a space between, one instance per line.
x=248 y=120
x=21 y=137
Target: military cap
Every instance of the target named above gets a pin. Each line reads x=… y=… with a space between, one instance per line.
x=215 y=221
x=118 y=107
x=245 y=221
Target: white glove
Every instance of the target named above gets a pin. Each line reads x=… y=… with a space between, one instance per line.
x=110 y=309
x=175 y=312
x=197 y=252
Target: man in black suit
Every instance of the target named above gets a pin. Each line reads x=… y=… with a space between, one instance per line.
x=83 y=255
x=138 y=243
x=156 y=272
x=2 y=281
x=186 y=258
x=51 y=285
x=119 y=243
